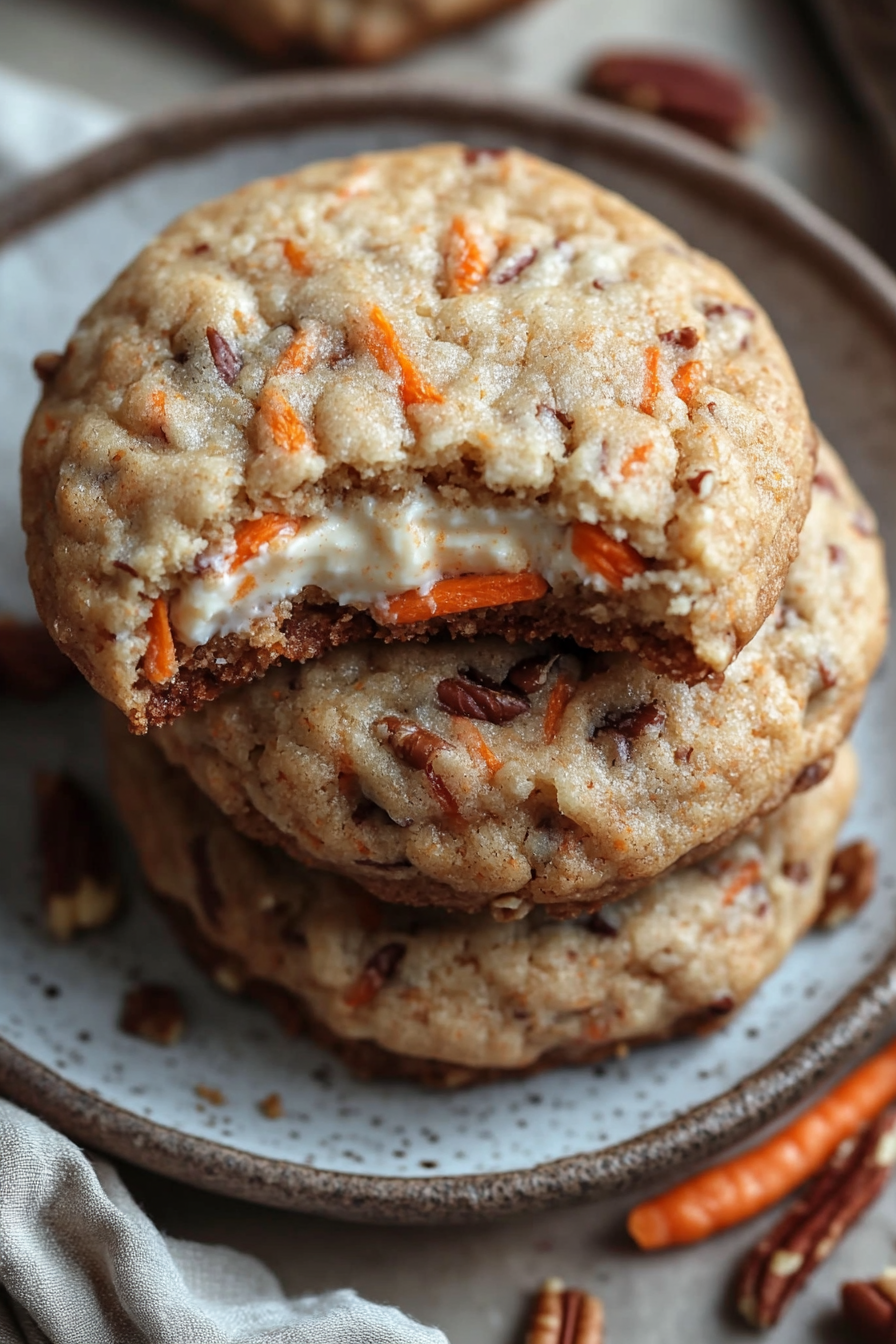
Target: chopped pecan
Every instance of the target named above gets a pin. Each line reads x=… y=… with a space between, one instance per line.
x=377 y=970
x=599 y=924
x=155 y=1013
x=563 y=1315
x=628 y=725
x=47 y=364
x=850 y=885
x=31 y=666
x=711 y=101
x=79 y=889
x=443 y=795
x=785 y=1258
x=813 y=774
x=532 y=673
x=565 y=420
x=226 y=360
x=473 y=700
x=827 y=675
x=412 y=744
x=870 y=1307
x=702 y=484
x=686 y=337
x=513 y=266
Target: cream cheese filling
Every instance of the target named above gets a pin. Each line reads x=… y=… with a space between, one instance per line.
x=366 y=550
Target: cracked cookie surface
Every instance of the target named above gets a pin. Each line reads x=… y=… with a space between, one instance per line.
x=450 y=998
x=434 y=390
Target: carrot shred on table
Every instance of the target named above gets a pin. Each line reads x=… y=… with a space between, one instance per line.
x=635 y=459
x=298 y=355
x=477 y=745
x=562 y=691
x=467 y=593
x=602 y=554
x=296 y=256
x=384 y=345
x=743 y=1186
x=159 y=660
x=688 y=380
x=651 y=388
x=466 y=261
x=287 y=430
x=250 y=535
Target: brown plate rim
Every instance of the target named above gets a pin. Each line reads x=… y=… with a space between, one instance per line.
x=293 y=102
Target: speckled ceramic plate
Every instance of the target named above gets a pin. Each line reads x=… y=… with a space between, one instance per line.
x=389 y=1151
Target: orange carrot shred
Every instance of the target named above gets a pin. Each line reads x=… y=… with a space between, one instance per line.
x=635 y=459
x=467 y=264
x=384 y=345
x=477 y=745
x=159 y=660
x=245 y=588
x=467 y=593
x=748 y=876
x=604 y=555
x=296 y=256
x=743 y=1186
x=250 y=535
x=297 y=357
x=688 y=379
x=287 y=430
x=651 y=389
x=562 y=691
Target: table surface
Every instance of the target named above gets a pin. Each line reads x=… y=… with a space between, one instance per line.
x=474 y=1282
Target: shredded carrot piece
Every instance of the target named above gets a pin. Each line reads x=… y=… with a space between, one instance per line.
x=287 y=430
x=467 y=263
x=562 y=691
x=251 y=535
x=297 y=357
x=604 y=555
x=748 y=876
x=296 y=256
x=384 y=345
x=635 y=459
x=159 y=660
x=651 y=389
x=477 y=745
x=245 y=588
x=467 y=593
x=688 y=379
x=743 y=1186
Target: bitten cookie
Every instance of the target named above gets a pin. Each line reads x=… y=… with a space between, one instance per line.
x=356 y=31
x=484 y=773
x=453 y=998
x=434 y=390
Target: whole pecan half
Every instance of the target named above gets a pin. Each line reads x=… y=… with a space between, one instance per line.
x=410 y=742
x=563 y=1315
x=155 y=1013
x=627 y=726
x=870 y=1308
x=784 y=1259
x=473 y=700
x=79 y=889
x=377 y=970
x=851 y=883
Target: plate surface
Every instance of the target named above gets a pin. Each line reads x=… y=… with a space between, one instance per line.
x=392 y=1151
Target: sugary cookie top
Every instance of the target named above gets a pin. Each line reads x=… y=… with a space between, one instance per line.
x=481 y=327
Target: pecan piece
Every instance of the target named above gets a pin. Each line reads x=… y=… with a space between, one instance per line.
x=377 y=970
x=79 y=888
x=417 y=746
x=513 y=266
x=785 y=1258
x=871 y=1307
x=813 y=774
x=155 y=1013
x=532 y=673
x=31 y=666
x=628 y=725
x=226 y=360
x=850 y=885
x=563 y=1315
x=473 y=700
x=271 y=1106
x=711 y=101
x=686 y=337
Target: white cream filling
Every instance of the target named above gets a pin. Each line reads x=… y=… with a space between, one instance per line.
x=366 y=550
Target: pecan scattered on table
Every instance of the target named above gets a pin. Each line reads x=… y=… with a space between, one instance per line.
x=870 y=1308
x=565 y=1316
x=785 y=1258
x=155 y=1013
x=851 y=883
x=79 y=885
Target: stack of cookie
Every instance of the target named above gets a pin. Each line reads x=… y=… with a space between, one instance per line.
x=462 y=538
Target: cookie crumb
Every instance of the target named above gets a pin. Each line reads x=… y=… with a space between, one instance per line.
x=212 y=1095
x=154 y=1013
x=272 y=1106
